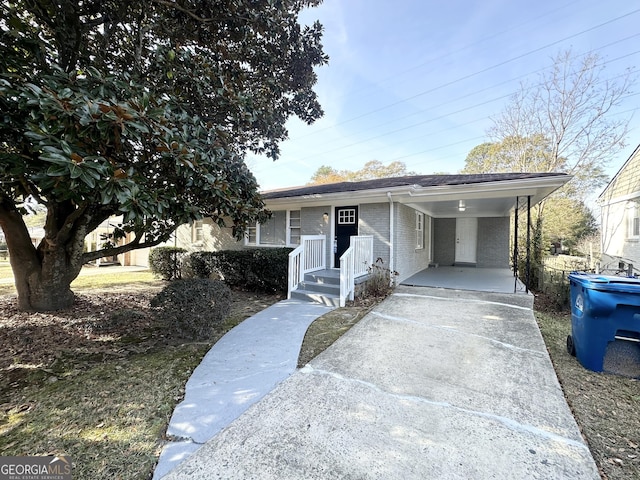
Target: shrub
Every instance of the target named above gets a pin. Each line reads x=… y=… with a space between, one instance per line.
x=379 y=284
x=194 y=307
x=199 y=265
x=261 y=269
x=166 y=262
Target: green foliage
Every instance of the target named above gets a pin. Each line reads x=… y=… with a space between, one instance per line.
x=560 y=219
x=260 y=269
x=568 y=221
x=166 y=262
x=371 y=170
x=511 y=154
x=194 y=307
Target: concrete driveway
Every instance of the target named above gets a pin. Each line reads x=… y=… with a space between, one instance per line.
x=432 y=384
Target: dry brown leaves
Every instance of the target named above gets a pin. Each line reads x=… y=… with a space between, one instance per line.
x=100 y=325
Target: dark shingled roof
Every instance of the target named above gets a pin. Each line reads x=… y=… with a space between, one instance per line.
x=391 y=182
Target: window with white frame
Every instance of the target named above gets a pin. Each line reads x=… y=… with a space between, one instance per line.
x=346 y=216
x=294 y=229
x=419 y=230
x=252 y=235
x=197 y=235
x=634 y=221
x=283 y=228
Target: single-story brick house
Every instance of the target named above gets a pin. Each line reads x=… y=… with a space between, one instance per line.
x=409 y=222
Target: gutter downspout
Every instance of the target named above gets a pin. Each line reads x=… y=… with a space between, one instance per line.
x=391 y=236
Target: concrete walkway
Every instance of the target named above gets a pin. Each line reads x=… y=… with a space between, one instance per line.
x=240 y=369
x=432 y=384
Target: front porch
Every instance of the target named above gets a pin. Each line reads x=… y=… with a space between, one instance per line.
x=498 y=280
x=309 y=277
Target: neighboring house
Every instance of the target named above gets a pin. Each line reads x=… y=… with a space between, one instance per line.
x=620 y=216
x=409 y=222
x=36 y=234
x=198 y=235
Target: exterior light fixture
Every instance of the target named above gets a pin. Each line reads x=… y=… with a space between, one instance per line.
x=461 y=206
x=325 y=217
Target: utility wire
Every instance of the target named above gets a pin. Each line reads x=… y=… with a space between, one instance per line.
x=475 y=74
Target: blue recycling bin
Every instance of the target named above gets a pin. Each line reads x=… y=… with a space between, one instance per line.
x=605 y=320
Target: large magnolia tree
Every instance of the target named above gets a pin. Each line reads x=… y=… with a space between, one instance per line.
x=144 y=110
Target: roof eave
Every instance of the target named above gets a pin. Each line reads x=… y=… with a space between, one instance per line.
x=526 y=186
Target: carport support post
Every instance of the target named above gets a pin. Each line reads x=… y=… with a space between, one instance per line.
x=515 y=246
x=528 y=243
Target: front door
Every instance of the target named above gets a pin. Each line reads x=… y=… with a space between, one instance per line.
x=466 y=240
x=346 y=225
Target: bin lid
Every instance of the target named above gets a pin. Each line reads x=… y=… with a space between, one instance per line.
x=611 y=283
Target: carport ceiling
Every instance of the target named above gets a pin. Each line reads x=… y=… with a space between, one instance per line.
x=490 y=199
x=478 y=207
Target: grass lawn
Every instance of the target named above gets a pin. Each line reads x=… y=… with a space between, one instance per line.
x=90 y=279
x=5 y=269
x=99 y=382
x=606 y=407
x=109 y=417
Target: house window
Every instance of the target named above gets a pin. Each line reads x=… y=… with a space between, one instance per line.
x=283 y=228
x=347 y=216
x=419 y=230
x=252 y=235
x=274 y=231
x=294 y=227
x=196 y=232
x=634 y=221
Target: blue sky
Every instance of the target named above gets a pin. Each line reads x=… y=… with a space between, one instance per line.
x=418 y=81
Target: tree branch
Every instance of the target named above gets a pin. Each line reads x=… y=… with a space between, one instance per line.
x=135 y=244
x=168 y=3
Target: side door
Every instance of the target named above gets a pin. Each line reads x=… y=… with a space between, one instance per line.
x=466 y=240
x=346 y=225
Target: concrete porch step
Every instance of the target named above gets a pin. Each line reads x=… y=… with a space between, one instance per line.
x=330 y=277
x=317 y=297
x=322 y=287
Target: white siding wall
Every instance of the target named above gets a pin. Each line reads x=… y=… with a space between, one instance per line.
x=617 y=238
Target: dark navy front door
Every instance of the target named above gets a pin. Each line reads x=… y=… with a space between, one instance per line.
x=346 y=225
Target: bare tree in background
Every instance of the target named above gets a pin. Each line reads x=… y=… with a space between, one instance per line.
x=571 y=111
x=567 y=121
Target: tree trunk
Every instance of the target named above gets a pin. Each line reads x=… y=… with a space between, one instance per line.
x=43 y=278
x=42 y=275
x=39 y=294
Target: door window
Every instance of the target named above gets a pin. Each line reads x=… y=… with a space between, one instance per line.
x=347 y=216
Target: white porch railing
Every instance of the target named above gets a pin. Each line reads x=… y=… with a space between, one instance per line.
x=354 y=263
x=309 y=256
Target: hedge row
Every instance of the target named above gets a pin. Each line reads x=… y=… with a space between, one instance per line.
x=261 y=269
x=166 y=262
